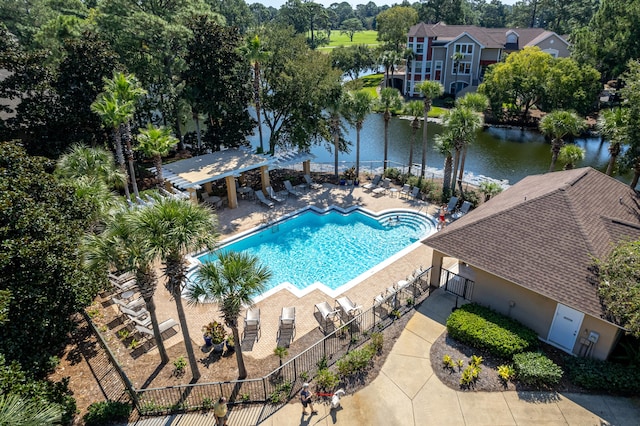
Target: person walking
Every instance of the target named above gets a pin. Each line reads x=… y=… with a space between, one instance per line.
x=305 y=398
x=220 y=411
x=441 y=217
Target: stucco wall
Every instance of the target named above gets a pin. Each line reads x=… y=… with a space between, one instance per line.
x=554 y=42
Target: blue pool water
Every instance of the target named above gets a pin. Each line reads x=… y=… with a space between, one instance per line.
x=330 y=247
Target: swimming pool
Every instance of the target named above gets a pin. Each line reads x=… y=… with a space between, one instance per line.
x=331 y=247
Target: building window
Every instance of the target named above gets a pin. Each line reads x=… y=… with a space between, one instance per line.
x=462 y=68
x=438 y=65
x=419 y=48
x=417 y=67
x=465 y=49
x=427 y=68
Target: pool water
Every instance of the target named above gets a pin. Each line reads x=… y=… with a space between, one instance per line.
x=331 y=247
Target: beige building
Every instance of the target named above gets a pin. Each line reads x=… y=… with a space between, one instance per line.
x=458 y=55
x=527 y=253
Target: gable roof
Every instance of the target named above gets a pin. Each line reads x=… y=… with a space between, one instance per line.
x=495 y=38
x=542 y=233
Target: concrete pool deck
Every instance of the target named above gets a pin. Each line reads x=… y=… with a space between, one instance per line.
x=250 y=214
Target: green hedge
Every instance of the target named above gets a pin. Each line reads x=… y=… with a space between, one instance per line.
x=596 y=375
x=534 y=368
x=485 y=329
x=106 y=412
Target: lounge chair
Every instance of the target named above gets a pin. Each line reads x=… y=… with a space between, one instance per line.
x=139 y=314
x=124 y=287
x=464 y=209
x=349 y=309
x=453 y=202
x=134 y=305
x=383 y=187
x=373 y=184
x=260 y=196
x=406 y=190
x=291 y=190
x=121 y=278
x=415 y=192
x=311 y=183
x=287 y=323
x=163 y=326
x=272 y=194
x=327 y=313
x=252 y=323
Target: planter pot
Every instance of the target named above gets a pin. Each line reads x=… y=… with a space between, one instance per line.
x=218 y=347
x=356 y=183
x=230 y=348
x=343 y=182
x=207 y=341
x=349 y=182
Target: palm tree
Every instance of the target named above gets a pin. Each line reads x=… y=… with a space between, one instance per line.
x=122 y=247
x=16 y=410
x=429 y=90
x=570 y=155
x=360 y=105
x=456 y=58
x=389 y=59
x=444 y=144
x=127 y=89
x=389 y=99
x=415 y=109
x=557 y=125
x=256 y=55
x=612 y=124
x=232 y=282
x=478 y=103
x=173 y=228
x=155 y=142
x=337 y=109
x=97 y=163
x=463 y=123
x=113 y=113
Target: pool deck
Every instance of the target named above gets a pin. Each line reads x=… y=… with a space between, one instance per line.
x=250 y=214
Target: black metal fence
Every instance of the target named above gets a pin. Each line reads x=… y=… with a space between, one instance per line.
x=254 y=400
x=456 y=284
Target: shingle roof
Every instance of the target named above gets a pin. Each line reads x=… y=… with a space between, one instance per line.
x=490 y=37
x=542 y=233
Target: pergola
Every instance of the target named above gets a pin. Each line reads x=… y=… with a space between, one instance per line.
x=199 y=172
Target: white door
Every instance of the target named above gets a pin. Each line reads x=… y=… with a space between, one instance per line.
x=565 y=327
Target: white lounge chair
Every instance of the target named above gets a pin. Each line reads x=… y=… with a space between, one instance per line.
x=252 y=323
x=144 y=322
x=139 y=314
x=260 y=196
x=163 y=326
x=349 y=309
x=373 y=184
x=121 y=278
x=134 y=305
x=291 y=190
x=287 y=323
x=272 y=194
x=311 y=183
x=383 y=187
x=327 y=313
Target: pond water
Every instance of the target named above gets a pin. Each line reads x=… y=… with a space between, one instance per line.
x=500 y=153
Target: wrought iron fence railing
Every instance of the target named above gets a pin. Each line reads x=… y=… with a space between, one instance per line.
x=456 y=284
x=254 y=400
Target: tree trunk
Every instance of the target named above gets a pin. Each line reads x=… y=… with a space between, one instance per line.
x=461 y=174
x=456 y=160
x=147 y=284
x=242 y=370
x=423 y=168
x=198 y=136
x=358 y=128
x=614 y=151
x=446 y=178
x=636 y=174
x=414 y=125
x=387 y=117
x=129 y=152
x=336 y=142
x=556 y=144
x=120 y=158
x=256 y=95
x=176 y=273
x=157 y=161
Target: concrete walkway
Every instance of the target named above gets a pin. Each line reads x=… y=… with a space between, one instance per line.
x=407 y=392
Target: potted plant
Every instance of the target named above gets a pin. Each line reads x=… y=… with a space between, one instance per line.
x=231 y=343
x=350 y=175
x=216 y=334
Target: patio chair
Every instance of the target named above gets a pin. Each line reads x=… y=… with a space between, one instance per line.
x=311 y=183
x=327 y=313
x=453 y=202
x=287 y=328
x=144 y=322
x=406 y=190
x=163 y=326
x=124 y=287
x=291 y=190
x=260 y=196
x=464 y=209
x=139 y=314
x=121 y=278
x=272 y=194
x=383 y=187
x=415 y=192
x=252 y=323
x=134 y=305
x=348 y=308
x=373 y=184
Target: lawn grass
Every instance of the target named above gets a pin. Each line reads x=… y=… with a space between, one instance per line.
x=362 y=37
x=368 y=83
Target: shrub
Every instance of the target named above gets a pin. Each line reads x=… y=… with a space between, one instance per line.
x=596 y=375
x=506 y=372
x=280 y=393
x=534 y=368
x=179 y=365
x=392 y=173
x=472 y=197
x=470 y=375
x=483 y=328
x=377 y=340
x=355 y=361
x=447 y=362
x=327 y=379
x=103 y=412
